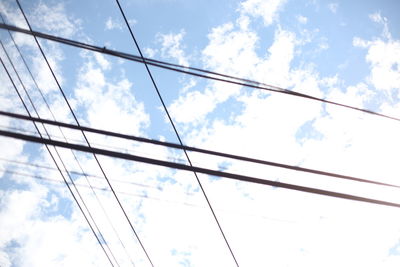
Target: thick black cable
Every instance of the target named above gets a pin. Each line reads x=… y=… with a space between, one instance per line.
x=55 y=162
x=184 y=69
x=179 y=166
x=74 y=156
x=62 y=162
x=198 y=150
x=87 y=141
x=177 y=134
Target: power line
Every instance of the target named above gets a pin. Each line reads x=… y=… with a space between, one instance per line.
x=146 y=196
x=76 y=159
x=78 y=173
x=52 y=114
x=77 y=122
x=185 y=69
x=184 y=167
x=65 y=181
x=177 y=134
x=198 y=150
x=30 y=175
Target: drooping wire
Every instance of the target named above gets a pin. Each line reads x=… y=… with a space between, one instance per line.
x=65 y=180
x=74 y=156
x=76 y=172
x=86 y=139
x=177 y=134
x=68 y=173
x=198 y=150
x=179 y=166
x=30 y=175
x=185 y=69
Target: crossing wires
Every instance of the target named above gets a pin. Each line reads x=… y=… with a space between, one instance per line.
x=176 y=133
x=63 y=135
x=87 y=141
x=197 y=72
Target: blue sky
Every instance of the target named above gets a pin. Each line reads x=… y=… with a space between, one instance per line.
x=344 y=51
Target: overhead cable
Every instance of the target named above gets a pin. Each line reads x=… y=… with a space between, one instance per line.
x=74 y=156
x=179 y=166
x=16 y=162
x=87 y=141
x=190 y=70
x=198 y=150
x=177 y=134
x=65 y=180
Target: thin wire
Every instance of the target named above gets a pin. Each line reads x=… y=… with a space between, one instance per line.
x=62 y=162
x=55 y=162
x=74 y=156
x=174 y=165
x=145 y=196
x=87 y=141
x=199 y=150
x=183 y=69
x=77 y=173
x=38 y=177
x=62 y=182
x=177 y=134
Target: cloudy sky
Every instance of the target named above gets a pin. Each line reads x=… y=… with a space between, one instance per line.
x=344 y=51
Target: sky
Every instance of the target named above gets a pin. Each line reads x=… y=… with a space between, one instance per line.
x=343 y=51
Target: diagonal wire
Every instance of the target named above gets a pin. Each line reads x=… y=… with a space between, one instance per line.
x=87 y=141
x=76 y=159
x=47 y=133
x=176 y=133
x=74 y=155
x=179 y=166
x=186 y=70
x=198 y=150
x=65 y=181
x=16 y=162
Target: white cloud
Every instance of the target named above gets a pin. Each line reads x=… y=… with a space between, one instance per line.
x=10 y=15
x=54 y=19
x=172 y=47
x=266 y=128
x=268 y=10
x=301 y=19
x=385 y=61
x=384 y=58
x=229 y=48
x=109 y=104
x=333 y=7
x=377 y=18
x=149 y=52
x=102 y=61
x=232 y=51
x=304 y=226
x=196 y=106
x=5 y=259
x=112 y=24
x=358 y=42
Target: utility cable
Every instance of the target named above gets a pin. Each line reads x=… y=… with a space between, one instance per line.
x=74 y=156
x=179 y=166
x=177 y=134
x=16 y=162
x=30 y=175
x=87 y=141
x=55 y=162
x=62 y=162
x=186 y=70
x=198 y=150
